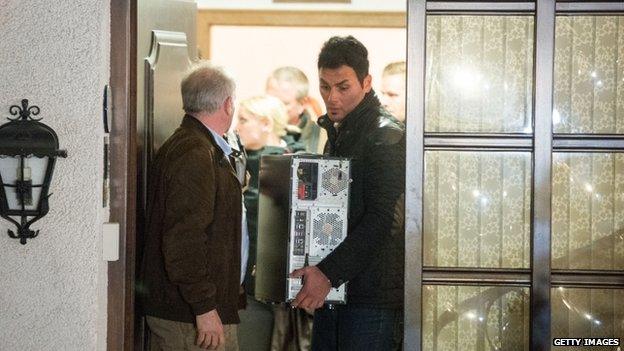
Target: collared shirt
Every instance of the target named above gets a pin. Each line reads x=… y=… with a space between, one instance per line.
x=227 y=150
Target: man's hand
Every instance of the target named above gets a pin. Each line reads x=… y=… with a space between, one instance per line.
x=210 y=333
x=315 y=288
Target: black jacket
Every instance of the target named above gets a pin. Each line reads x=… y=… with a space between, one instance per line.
x=371 y=259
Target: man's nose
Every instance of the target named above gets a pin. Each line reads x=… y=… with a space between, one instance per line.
x=333 y=96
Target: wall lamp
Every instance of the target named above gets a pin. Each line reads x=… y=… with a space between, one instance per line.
x=28 y=151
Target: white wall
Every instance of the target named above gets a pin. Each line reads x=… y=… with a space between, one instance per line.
x=253 y=52
x=354 y=5
x=53 y=289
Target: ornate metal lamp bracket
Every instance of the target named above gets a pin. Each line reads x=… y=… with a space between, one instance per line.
x=24 y=112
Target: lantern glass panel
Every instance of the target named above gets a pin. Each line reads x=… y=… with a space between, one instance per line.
x=34 y=171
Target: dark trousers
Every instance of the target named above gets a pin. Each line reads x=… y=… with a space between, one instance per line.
x=356 y=328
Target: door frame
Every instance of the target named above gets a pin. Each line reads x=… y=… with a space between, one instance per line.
x=123 y=182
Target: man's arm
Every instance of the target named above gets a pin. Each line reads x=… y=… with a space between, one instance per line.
x=383 y=188
x=190 y=205
x=384 y=185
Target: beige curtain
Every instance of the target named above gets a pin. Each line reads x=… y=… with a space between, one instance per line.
x=477 y=204
x=588 y=211
x=477 y=209
x=587 y=313
x=588 y=188
x=479 y=74
x=475 y=318
x=589 y=74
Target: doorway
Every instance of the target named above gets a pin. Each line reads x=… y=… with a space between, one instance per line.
x=514 y=177
x=252 y=44
x=155 y=61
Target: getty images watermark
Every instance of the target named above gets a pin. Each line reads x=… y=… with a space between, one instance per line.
x=586 y=342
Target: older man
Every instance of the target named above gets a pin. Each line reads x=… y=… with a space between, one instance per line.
x=191 y=266
x=290 y=85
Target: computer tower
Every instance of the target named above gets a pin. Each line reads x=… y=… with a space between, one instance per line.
x=302 y=217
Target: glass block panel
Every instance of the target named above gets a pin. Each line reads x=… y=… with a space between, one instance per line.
x=589 y=75
x=466 y=318
x=479 y=75
x=587 y=313
x=588 y=211
x=477 y=209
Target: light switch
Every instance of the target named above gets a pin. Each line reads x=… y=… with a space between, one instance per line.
x=110 y=237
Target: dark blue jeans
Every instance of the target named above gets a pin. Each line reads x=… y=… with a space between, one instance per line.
x=357 y=328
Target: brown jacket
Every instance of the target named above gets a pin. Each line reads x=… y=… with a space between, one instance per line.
x=191 y=262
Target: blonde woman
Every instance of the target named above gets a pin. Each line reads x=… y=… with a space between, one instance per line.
x=262 y=122
x=261 y=126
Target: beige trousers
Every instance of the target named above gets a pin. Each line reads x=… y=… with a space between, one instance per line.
x=166 y=335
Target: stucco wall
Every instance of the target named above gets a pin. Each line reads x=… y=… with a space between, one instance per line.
x=53 y=289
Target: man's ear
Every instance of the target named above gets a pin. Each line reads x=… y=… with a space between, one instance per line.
x=367 y=83
x=228 y=105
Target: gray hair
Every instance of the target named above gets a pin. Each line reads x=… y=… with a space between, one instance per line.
x=205 y=87
x=292 y=75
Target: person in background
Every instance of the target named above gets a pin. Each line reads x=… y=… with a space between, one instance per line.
x=261 y=125
x=393 y=89
x=191 y=269
x=371 y=257
x=290 y=85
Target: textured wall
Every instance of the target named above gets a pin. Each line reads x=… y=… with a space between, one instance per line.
x=53 y=290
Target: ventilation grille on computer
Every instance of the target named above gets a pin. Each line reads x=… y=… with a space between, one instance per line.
x=328 y=228
x=334 y=180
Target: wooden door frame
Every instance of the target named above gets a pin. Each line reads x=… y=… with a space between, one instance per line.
x=123 y=183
